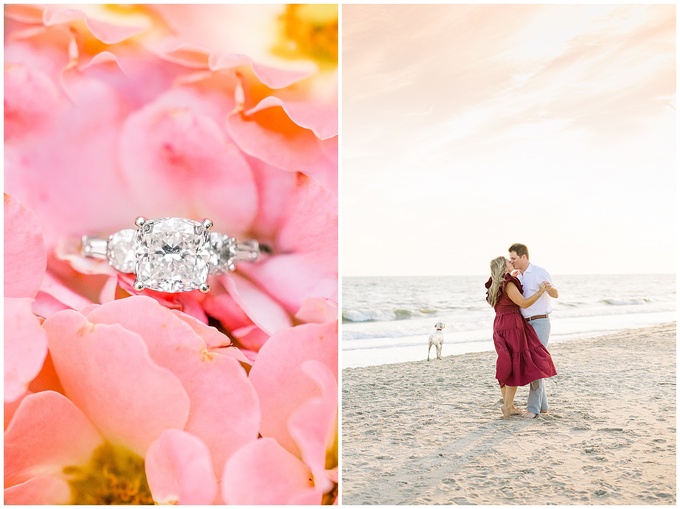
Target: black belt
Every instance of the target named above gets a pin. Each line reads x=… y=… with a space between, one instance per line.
x=536 y=317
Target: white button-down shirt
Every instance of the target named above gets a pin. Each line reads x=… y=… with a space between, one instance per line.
x=532 y=277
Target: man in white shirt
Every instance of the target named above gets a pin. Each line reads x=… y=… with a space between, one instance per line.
x=538 y=316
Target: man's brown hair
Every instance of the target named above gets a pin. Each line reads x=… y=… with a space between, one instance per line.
x=520 y=249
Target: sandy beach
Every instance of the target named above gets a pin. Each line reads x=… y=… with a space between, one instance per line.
x=432 y=433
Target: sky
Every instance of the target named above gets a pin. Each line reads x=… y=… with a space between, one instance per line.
x=466 y=128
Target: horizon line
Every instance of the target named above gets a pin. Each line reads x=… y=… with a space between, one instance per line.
x=559 y=274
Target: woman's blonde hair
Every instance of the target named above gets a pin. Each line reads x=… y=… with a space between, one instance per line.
x=497 y=277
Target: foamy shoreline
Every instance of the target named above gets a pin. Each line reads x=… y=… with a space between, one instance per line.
x=431 y=433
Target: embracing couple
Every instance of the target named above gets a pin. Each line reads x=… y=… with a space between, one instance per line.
x=520 y=293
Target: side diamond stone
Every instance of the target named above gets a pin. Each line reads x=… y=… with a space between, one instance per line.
x=120 y=250
x=223 y=251
x=172 y=255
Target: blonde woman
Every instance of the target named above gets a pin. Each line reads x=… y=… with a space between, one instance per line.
x=521 y=356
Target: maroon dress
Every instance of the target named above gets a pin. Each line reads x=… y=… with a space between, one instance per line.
x=521 y=356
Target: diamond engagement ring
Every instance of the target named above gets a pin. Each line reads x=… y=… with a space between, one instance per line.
x=171 y=254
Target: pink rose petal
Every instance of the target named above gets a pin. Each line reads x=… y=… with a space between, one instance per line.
x=25 y=13
x=306 y=263
x=25 y=346
x=222 y=397
x=47 y=433
x=25 y=259
x=314 y=424
x=11 y=408
x=292 y=278
x=272 y=77
x=208 y=334
x=275 y=189
x=225 y=409
x=213 y=338
x=320 y=118
x=31 y=100
x=281 y=384
x=270 y=135
x=224 y=308
x=75 y=200
x=39 y=490
x=46 y=305
x=265 y=312
x=193 y=169
x=109 y=291
x=179 y=470
x=55 y=288
x=108 y=33
x=106 y=370
x=318 y=310
x=251 y=338
x=203 y=26
x=188 y=55
x=47 y=379
x=200 y=29
x=265 y=473
x=315 y=233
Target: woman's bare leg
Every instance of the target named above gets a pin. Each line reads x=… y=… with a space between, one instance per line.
x=513 y=410
x=508 y=398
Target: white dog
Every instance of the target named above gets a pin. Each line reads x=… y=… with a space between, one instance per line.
x=436 y=339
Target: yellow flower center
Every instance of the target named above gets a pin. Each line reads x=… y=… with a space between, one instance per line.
x=114 y=475
x=309 y=31
x=332 y=451
x=331 y=463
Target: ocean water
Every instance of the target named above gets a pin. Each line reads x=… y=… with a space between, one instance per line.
x=389 y=319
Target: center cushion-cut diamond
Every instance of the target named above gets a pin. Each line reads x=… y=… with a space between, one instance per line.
x=172 y=254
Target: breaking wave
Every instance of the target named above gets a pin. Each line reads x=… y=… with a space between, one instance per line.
x=383 y=315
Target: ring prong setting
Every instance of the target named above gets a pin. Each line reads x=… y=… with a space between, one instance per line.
x=138 y=286
x=139 y=222
x=204 y=288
